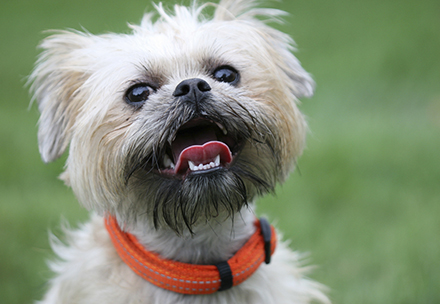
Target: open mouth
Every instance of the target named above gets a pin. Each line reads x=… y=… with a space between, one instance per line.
x=199 y=146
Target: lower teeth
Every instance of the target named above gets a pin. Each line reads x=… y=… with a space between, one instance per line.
x=213 y=164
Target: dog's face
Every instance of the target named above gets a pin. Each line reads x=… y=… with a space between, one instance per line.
x=183 y=120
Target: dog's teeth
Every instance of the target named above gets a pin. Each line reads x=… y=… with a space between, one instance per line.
x=167 y=162
x=225 y=132
x=200 y=167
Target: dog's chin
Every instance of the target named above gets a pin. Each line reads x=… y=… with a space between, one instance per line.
x=200 y=197
x=182 y=203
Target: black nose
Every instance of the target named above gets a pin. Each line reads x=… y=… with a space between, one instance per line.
x=193 y=89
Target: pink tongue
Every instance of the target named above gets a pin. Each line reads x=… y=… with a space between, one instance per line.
x=203 y=154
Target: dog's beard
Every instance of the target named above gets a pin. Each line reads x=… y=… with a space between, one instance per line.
x=199 y=197
x=181 y=202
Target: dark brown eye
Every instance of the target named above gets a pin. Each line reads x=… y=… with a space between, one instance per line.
x=226 y=74
x=138 y=94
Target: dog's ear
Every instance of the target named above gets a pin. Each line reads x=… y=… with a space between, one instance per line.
x=281 y=48
x=278 y=45
x=56 y=82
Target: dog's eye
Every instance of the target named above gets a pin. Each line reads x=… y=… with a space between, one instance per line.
x=138 y=94
x=226 y=74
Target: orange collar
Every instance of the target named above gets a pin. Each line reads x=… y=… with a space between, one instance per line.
x=192 y=278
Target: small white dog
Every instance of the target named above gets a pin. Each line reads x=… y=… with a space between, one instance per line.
x=172 y=132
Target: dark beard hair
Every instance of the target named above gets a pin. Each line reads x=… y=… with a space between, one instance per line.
x=198 y=197
x=181 y=204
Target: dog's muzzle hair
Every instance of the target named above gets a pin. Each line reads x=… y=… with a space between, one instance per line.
x=182 y=197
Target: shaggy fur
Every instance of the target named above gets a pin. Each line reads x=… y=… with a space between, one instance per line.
x=120 y=152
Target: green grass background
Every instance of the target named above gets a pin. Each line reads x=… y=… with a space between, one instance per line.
x=366 y=204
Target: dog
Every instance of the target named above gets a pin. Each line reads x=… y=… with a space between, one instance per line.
x=173 y=131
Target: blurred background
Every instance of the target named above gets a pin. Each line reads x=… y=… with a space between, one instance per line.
x=366 y=200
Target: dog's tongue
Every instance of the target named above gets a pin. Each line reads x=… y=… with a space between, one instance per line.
x=199 y=149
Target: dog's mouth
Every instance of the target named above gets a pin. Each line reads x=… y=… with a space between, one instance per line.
x=200 y=146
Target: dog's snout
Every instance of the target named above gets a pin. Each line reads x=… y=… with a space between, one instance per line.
x=192 y=88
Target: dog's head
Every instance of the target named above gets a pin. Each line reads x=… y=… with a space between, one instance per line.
x=183 y=120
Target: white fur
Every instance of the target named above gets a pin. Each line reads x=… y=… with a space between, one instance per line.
x=91 y=272
x=79 y=83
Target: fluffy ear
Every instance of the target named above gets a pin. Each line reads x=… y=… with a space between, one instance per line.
x=56 y=82
x=301 y=83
